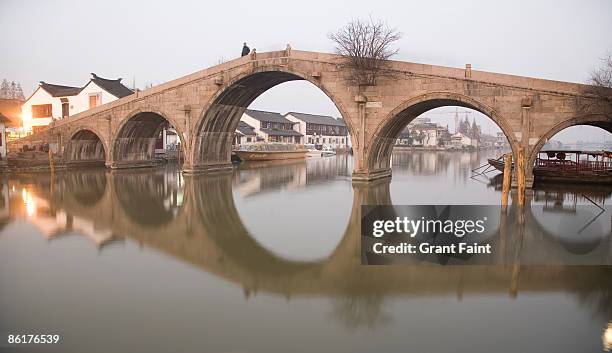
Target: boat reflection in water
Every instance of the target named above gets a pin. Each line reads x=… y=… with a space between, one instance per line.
x=175 y=254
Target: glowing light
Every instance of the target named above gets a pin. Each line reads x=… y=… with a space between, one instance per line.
x=26 y=120
x=29 y=202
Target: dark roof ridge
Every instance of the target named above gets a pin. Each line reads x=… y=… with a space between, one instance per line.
x=112 y=86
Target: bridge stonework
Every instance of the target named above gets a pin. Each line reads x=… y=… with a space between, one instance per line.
x=205 y=108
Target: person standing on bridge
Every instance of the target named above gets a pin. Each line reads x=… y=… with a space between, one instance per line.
x=245 y=50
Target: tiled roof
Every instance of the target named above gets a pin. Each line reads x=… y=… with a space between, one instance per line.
x=11 y=109
x=60 y=91
x=114 y=87
x=245 y=128
x=267 y=116
x=273 y=132
x=318 y=119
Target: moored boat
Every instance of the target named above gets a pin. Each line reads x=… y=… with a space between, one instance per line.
x=271 y=151
x=594 y=167
x=313 y=151
x=561 y=166
x=328 y=152
x=498 y=163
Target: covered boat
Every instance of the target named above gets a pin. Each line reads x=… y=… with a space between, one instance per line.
x=271 y=151
x=573 y=167
x=564 y=166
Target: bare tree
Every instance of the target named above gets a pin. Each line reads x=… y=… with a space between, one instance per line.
x=601 y=79
x=598 y=94
x=366 y=46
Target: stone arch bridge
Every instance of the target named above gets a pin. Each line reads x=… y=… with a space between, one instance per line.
x=205 y=108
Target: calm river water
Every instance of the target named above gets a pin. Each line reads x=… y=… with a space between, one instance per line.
x=267 y=259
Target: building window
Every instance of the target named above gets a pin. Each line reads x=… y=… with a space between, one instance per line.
x=42 y=111
x=65 y=107
x=94 y=100
x=37 y=129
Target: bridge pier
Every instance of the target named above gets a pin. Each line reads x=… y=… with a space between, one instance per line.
x=211 y=168
x=85 y=163
x=132 y=164
x=371 y=175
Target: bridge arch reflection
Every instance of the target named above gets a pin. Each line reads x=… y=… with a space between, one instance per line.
x=208 y=233
x=149 y=198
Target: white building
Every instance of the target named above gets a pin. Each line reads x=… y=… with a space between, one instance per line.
x=53 y=102
x=271 y=127
x=460 y=140
x=322 y=130
x=244 y=134
x=424 y=134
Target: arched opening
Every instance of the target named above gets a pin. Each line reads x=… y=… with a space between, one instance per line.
x=439 y=147
x=386 y=135
x=146 y=139
x=581 y=133
x=216 y=132
x=85 y=147
x=213 y=142
x=271 y=196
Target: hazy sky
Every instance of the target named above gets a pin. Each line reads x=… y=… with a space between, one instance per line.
x=63 y=41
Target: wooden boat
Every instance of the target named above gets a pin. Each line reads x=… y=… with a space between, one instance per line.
x=498 y=163
x=271 y=152
x=593 y=167
x=560 y=166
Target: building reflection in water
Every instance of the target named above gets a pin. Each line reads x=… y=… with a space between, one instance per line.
x=252 y=178
x=194 y=219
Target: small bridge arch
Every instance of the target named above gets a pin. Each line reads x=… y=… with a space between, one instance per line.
x=85 y=146
x=598 y=120
x=133 y=144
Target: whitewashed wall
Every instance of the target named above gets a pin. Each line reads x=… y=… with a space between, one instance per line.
x=40 y=96
x=80 y=102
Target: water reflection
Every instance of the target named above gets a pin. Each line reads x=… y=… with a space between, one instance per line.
x=253 y=178
x=197 y=220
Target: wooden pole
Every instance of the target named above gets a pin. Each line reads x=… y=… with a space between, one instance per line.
x=507 y=179
x=520 y=175
x=51 y=164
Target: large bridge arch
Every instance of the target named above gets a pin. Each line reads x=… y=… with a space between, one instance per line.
x=217 y=121
x=133 y=143
x=85 y=146
x=602 y=121
x=378 y=157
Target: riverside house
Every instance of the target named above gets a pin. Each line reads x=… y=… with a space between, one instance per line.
x=323 y=130
x=271 y=127
x=53 y=102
